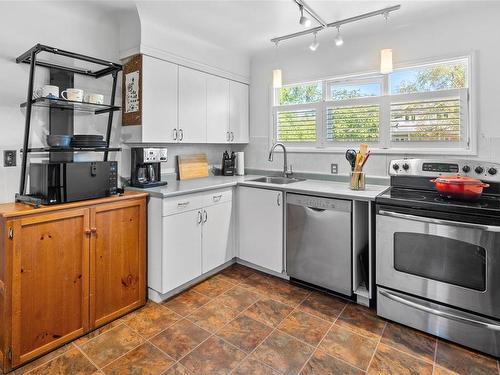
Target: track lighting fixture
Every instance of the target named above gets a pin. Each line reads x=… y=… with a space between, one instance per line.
x=338 y=39
x=303 y=20
x=314 y=45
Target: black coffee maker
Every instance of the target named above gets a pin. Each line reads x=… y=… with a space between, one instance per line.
x=145 y=164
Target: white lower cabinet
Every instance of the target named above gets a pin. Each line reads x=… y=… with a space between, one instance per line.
x=188 y=236
x=260 y=227
x=182 y=249
x=217 y=244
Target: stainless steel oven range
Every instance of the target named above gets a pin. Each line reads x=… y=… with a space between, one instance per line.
x=438 y=260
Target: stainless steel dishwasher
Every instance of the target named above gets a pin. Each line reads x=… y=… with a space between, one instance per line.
x=318 y=242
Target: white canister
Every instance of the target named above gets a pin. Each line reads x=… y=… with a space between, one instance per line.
x=240 y=163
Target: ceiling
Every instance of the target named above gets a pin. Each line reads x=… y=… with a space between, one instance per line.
x=247 y=25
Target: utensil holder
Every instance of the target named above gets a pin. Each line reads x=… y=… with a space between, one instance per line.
x=357 y=181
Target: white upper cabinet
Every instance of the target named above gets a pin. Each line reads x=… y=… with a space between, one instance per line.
x=192 y=106
x=238 y=112
x=159 y=97
x=217 y=110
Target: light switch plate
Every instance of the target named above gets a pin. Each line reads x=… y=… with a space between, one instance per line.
x=9 y=158
x=334 y=168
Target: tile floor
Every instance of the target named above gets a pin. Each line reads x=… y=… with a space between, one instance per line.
x=243 y=322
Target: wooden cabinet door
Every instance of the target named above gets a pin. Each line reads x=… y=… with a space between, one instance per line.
x=239 y=112
x=117 y=260
x=50 y=279
x=181 y=249
x=192 y=106
x=217 y=110
x=159 y=100
x=260 y=221
x=216 y=236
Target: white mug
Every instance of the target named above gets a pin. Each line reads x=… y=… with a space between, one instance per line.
x=47 y=91
x=94 y=98
x=74 y=95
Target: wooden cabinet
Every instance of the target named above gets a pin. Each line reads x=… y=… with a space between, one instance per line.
x=159 y=97
x=67 y=269
x=239 y=112
x=192 y=106
x=117 y=260
x=260 y=227
x=50 y=278
x=218 y=110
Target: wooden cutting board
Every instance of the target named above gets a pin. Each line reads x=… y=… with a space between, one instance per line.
x=192 y=166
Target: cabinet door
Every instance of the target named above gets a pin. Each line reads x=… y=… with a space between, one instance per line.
x=217 y=237
x=50 y=278
x=192 y=106
x=159 y=100
x=117 y=260
x=260 y=225
x=181 y=249
x=239 y=112
x=217 y=110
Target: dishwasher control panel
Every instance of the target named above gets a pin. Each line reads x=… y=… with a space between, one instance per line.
x=319 y=202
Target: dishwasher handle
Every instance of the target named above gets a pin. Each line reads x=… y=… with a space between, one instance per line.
x=316 y=209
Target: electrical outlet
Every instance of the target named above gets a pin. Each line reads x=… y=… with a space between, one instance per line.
x=9 y=158
x=334 y=168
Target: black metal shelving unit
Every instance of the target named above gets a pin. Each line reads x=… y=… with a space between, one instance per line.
x=65 y=74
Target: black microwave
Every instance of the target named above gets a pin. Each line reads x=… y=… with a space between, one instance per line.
x=56 y=182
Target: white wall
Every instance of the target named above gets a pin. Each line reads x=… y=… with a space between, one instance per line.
x=71 y=26
x=471 y=27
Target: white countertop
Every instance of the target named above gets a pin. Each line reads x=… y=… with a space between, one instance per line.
x=332 y=189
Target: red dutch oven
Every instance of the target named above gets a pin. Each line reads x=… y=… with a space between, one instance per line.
x=459 y=187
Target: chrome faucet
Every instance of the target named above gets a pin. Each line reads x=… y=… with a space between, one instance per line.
x=285 y=163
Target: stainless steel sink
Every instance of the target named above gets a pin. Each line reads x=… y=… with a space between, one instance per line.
x=278 y=180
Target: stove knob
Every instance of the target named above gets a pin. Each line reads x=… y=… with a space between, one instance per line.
x=492 y=171
x=479 y=170
x=395 y=167
x=466 y=169
x=406 y=166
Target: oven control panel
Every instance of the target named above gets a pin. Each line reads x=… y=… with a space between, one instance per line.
x=486 y=171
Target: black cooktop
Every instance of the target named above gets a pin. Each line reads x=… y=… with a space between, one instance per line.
x=488 y=205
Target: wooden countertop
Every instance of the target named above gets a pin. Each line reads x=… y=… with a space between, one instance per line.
x=8 y=210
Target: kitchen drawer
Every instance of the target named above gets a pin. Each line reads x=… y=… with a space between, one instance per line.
x=195 y=201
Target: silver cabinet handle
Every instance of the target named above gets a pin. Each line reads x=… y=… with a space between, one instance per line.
x=228 y=136
x=278 y=199
x=182 y=204
x=200 y=217
x=181 y=134
x=217 y=198
x=206 y=216
x=444 y=314
x=174 y=134
x=232 y=137
x=488 y=228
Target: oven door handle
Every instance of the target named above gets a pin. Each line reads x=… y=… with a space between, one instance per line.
x=398 y=215
x=443 y=314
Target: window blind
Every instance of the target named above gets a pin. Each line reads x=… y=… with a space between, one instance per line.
x=354 y=123
x=426 y=120
x=296 y=125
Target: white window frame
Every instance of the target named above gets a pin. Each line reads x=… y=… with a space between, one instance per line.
x=385 y=146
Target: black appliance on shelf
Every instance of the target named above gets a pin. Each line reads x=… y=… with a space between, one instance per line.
x=228 y=163
x=145 y=166
x=62 y=182
x=438 y=259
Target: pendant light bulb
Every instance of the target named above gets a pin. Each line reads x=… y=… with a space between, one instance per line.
x=314 y=45
x=386 y=61
x=277 y=81
x=303 y=20
x=338 y=39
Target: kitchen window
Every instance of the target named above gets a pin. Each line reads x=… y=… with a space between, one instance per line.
x=421 y=108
